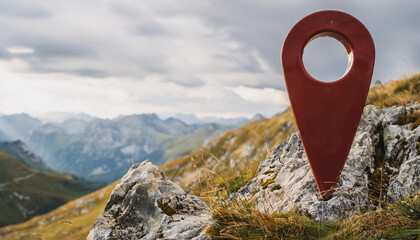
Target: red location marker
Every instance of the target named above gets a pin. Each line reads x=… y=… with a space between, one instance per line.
x=328 y=113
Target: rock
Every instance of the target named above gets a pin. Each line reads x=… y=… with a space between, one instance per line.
x=284 y=181
x=407 y=181
x=146 y=205
x=402 y=147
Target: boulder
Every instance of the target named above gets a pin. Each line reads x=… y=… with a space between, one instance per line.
x=146 y=205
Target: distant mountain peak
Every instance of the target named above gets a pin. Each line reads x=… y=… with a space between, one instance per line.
x=257 y=116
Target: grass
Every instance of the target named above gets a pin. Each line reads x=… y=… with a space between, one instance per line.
x=243 y=222
x=396 y=93
x=398 y=221
x=239 y=220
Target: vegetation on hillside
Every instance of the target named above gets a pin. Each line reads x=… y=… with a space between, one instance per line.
x=396 y=93
x=25 y=192
x=71 y=221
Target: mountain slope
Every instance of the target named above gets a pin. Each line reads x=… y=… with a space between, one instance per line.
x=25 y=192
x=19 y=150
x=191 y=142
x=230 y=154
x=68 y=222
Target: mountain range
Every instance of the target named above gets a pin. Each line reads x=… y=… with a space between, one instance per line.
x=238 y=121
x=101 y=150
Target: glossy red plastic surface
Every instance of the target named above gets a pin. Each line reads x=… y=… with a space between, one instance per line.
x=328 y=113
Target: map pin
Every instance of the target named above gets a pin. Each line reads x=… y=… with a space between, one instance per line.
x=327 y=114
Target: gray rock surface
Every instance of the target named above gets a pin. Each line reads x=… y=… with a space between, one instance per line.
x=383 y=144
x=146 y=205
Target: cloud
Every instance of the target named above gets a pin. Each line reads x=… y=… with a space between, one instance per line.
x=111 y=97
x=149 y=29
x=264 y=95
x=22 y=9
x=20 y=50
x=134 y=38
x=207 y=57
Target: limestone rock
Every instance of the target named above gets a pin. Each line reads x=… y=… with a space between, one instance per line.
x=146 y=205
x=284 y=181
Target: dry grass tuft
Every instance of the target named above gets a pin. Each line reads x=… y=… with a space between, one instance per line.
x=241 y=221
x=395 y=93
x=398 y=221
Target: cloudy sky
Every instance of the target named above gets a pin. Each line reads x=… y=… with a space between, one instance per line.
x=210 y=58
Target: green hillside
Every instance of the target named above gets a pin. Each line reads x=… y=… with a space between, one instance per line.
x=71 y=221
x=25 y=192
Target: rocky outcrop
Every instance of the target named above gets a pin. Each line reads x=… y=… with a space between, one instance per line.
x=383 y=165
x=146 y=205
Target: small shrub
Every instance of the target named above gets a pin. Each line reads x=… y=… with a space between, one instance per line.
x=234 y=184
x=402 y=87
